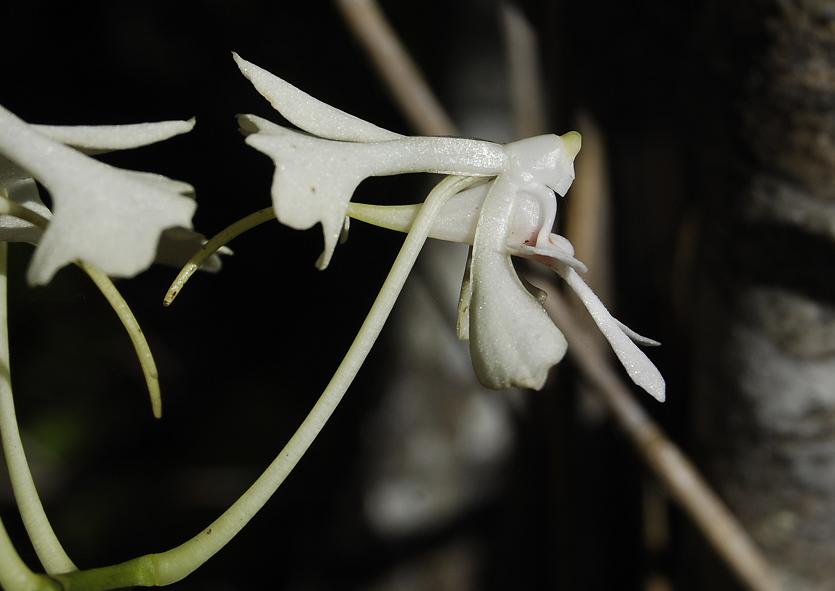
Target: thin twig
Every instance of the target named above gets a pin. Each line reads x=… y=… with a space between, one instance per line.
x=664 y=458
x=396 y=67
x=680 y=476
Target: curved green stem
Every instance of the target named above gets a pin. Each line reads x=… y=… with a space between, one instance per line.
x=14 y=574
x=175 y=564
x=213 y=245
x=49 y=550
x=137 y=337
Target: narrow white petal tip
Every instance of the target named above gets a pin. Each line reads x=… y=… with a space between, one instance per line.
x=660 y=394
x=642 y=371
x=95 y=139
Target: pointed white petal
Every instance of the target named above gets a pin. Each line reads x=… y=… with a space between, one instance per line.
x=512 y=340
x=308 y=113
x=642 y=371
x=94 y=139
x=101 y=215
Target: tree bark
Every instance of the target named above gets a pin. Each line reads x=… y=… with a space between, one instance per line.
x=764 y=323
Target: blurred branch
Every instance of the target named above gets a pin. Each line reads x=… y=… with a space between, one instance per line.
x=588 y=214
x=396 y=67
x=672 y=467
x=526 y=92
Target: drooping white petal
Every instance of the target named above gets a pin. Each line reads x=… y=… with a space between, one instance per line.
x=308 y=113
x=512 y=340
x=101 y=215
x=315 y=178
x=95 y=139
x=642 y=371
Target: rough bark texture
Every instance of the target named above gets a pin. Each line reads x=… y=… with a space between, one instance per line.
x=765 y=326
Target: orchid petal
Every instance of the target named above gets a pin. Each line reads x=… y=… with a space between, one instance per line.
x=642 y=371
x=512 y=340
x=315 y=178
x=101 y=215
x=308 y=113
x=95 y=139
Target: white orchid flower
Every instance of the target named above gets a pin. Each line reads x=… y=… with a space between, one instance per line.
x=108 y=217
x=513 y=342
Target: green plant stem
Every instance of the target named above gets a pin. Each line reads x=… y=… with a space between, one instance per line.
x=137 y=337
x=14 y=574
x=212 y=245
x=49 y=550
x=175 y=564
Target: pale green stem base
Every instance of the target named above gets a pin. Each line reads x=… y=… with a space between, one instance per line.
x=49 y=550
x=175 y=564
x=14 y=574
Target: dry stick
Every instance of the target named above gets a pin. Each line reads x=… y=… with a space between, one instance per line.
x=526 y=93
x=679 y=475
x=396 y=67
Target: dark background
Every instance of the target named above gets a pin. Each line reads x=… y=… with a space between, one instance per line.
x=243 y=354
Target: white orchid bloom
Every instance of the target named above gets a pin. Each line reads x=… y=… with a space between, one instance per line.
x=106 y=216
x=513 y=342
